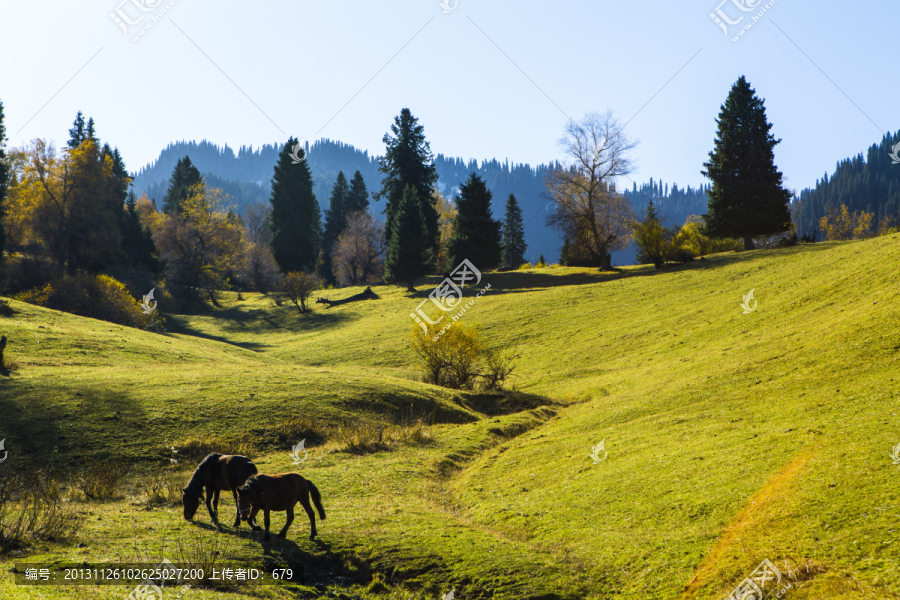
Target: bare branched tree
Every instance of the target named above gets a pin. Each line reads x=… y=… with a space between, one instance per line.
x=259 y=267
x=358 y=253
x=256 y=217
x=585 y=207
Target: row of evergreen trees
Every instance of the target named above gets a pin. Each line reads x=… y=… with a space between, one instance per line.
x=870 y=184
x=245 y=175
x=411 y=227
x=675 y=204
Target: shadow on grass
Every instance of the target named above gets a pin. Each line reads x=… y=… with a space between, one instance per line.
x=498 y=403
x=512 y=282
x=313 y=563
x=240 y=321
x=83 y=424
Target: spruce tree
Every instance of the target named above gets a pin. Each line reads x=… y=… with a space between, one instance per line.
x=131 y=202
x=408 y=161
x=120 y=179
x=476 y=235
x=116 y=199
x=77 y=133
x=90 y=133
x=184 y=177
x=514 y=246
x=747 y=199
x=4 y=183
x=359 y=195
x=409 y=251
x=295 y=221
x=335 y=221
x=137 y=240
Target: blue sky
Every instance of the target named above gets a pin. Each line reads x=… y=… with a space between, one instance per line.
x=489 y=79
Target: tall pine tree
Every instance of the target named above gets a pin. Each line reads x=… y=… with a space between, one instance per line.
x=359 y=195
x=184 y=177
x=408 y=161
x=747 y=199
x=295 y=221
x=513 y=234
x=335 y=221
x=476 y=235
x=77 y=133
x=137 y=240
x=409 y=251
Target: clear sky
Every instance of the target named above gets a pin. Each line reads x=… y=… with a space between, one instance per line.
x=488 y=79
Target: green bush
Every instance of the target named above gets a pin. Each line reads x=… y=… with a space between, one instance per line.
x=652 y=241
x=658 y=245
x=692 y=236
x=297 y=286
x=25 y=273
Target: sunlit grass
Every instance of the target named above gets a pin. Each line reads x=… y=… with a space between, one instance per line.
x=731 y=438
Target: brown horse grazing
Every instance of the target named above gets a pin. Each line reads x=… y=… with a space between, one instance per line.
x=217 y=472
x=279 y=492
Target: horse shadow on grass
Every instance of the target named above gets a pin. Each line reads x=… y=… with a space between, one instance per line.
x=315 y=563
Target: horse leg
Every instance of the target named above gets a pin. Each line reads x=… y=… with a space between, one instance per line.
x=251 y=519
x=266 y=519
x=216 y=504
x=209 y=499
x=290 y=519
x=237 y=507
x=304 y=500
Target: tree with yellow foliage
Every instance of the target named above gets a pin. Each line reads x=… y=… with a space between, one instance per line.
x=69 y=200
x=200 y=245
x=692 y=237
x=446 y=210
x=841 y=224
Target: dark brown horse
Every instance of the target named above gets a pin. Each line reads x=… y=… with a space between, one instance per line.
x=217 y=472
x=279 y=492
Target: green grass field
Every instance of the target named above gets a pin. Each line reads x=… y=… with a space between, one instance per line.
x=731 y=438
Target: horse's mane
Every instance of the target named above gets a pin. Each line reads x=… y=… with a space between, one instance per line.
x=195 y=485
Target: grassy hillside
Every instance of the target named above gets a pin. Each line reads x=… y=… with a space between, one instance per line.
x=731 y=438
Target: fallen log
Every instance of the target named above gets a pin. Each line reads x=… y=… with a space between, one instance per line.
x=368 y=294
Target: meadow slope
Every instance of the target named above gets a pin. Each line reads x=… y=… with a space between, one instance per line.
x=731 y=438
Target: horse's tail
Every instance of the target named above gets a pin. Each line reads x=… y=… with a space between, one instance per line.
x=316 y=498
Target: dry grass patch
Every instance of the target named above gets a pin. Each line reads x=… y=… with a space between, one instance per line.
x=32 y=508
x=101 y=481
